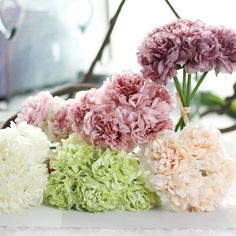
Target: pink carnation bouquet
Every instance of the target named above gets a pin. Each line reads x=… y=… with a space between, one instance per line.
x=193 y=47
x=126 y=111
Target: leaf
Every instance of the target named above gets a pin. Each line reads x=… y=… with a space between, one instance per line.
x=211 y=100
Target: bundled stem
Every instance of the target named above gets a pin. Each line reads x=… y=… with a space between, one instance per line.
x=197 y=85
x=189 y=88
x=186 y=94
x=184 y=83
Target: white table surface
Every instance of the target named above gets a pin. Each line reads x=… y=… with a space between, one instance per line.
x=46 y=220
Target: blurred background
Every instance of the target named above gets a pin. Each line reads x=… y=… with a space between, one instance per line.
x=56 y=41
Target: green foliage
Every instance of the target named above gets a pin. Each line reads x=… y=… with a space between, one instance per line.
x=211 y=100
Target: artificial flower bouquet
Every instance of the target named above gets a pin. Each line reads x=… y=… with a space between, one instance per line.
x=115 y=147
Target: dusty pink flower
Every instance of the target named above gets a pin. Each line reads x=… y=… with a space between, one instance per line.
x=189 y=169
x=204 y=50
x=60 y=126
x=145 y=126
x=152 y=108
x=76 y=116
x=190 y=44
x=151 y=112
x=226 y=62
x=184 y=27
x=132 y=89
x=85 y=101
x=162 y=50
x=156 y=93
x=104 y=127
x=90 y=98
x=144 y=106
x=122 y=87
x=35 y=109
x=158 y=55
x=136 y=122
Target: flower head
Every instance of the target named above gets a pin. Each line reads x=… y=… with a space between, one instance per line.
x=95 y=180
x=183 y=27
x=23 y=178
x=158 y=55
x=151 y=112
x=190 y=169
x=133 y=111
x=192 y=45
x=105 y=127
x=122 y=87
x=59 y=190
x=76 y=116
x=90 y=98
x=60 y=124
x=35 y=109
x=85 y=101
x=226 y=62
x=202 y=51
x=145 y=125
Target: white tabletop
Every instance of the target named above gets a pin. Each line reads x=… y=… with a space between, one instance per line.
x=46 y=216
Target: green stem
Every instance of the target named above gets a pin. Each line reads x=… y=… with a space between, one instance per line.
x=188 y=93
x=181 y=93
x=182 y=124
x=197 y=86
x=178 y=125
x=179 y=90
x=172 y=9
x=184 y=86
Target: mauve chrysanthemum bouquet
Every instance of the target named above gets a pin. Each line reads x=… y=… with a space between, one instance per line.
x=191 y=46
x=115 y=146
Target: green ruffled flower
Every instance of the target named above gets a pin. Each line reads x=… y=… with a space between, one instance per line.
x=137 y=197
x=93 y=196
x=95 y=180
x=60 y=190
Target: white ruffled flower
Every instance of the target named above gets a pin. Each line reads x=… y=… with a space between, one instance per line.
x=189 y=169
x=23 y=174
